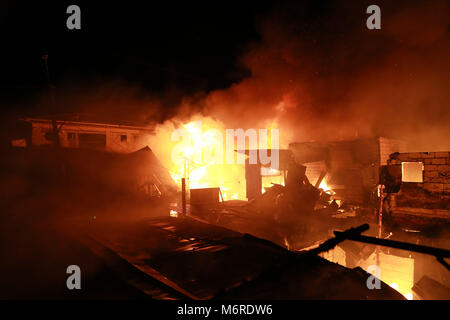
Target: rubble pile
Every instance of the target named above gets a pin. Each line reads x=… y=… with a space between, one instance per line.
x=294 y=215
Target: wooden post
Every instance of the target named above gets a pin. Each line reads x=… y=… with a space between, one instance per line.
x=380 y=220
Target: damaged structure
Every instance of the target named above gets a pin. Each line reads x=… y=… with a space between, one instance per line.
x=418 y=189
x=321 y=182
x=89 y=162
x=340 y=184
x=352 y=167
x=320 y=186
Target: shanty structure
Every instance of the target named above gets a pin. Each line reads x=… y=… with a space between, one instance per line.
x=85 y=131
x=351 y=168
x=256 y=169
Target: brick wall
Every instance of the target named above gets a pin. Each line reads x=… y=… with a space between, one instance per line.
x=436 y=174
x=389 y=146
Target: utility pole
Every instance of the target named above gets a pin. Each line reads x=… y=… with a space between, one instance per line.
x=55 y=131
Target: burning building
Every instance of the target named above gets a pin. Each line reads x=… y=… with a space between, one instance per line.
x=324 y=185
x=351 y=168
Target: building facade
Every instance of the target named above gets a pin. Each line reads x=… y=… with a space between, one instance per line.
x=84 y=133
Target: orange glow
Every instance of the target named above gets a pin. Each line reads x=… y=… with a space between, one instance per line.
x=199 y=154
x=396 y=271
x=203 y=164
x=325 y=187
x=173 y=213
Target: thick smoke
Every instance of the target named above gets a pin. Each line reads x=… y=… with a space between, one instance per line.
x=318 y=73
x=329 y=77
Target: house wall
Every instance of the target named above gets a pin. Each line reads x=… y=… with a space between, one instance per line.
x=356 y=158
x=419 y=205
x=388 y=147
x=69 y=136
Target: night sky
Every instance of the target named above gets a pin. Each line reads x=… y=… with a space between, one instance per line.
x=311 y=66
x=192 y=45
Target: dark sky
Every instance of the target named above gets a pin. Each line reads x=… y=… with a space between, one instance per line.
x=154 y=44
x=311 y=66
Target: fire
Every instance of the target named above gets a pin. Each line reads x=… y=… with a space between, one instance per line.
x=325 y=187
x=199 y=157
x=198 y=154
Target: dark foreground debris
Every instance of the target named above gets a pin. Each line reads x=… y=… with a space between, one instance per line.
x=202 y=261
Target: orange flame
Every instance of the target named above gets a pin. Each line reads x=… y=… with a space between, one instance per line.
x=201 y=157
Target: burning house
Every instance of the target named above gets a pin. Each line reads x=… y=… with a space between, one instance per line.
x=351 y=169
